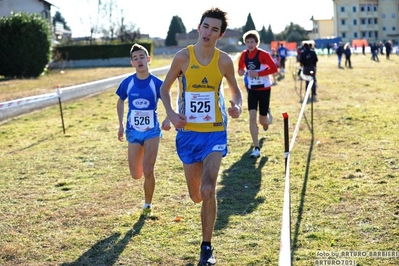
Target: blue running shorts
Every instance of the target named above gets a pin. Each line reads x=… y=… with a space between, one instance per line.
x=194 y=146
x=134 y=136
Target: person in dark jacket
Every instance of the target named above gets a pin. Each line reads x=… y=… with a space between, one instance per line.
x=339 y=52
x=348 y=52
x=328 y=49
x=374 y=52
x=388 y=48
x=308 y=61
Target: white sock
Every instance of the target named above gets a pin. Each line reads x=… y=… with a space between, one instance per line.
x=146 y=205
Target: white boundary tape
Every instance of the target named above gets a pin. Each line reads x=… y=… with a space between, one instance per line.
x=285 y=237
x=17 y=107
x=32 y=99
x=28 y=104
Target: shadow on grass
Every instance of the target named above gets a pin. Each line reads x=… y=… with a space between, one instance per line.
x=239 y=186
x=304 y=187
x=107 y=251
x=37 y=143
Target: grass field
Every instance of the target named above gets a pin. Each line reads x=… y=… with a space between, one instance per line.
x=67 y=199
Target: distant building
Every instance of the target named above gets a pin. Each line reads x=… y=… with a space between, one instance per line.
x=372 y=20
x=322 y=28
x=41 y=7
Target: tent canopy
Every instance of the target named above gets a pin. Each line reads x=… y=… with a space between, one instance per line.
x=289 y=45
x=359 y=43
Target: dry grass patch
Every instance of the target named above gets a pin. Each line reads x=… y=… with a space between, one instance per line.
x=68 y=199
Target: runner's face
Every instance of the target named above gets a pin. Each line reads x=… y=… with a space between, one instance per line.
x=250 y=43
x=209 y=30
x=139 y=59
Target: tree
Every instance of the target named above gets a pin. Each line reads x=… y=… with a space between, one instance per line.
x=109 y=9
x=249 y=25
x=294 y=36
x=25 y=41
x=266 y=36
x=59 y=18
x=269 y=35
x=295 y=32
x=176 y=26
x=93 y=14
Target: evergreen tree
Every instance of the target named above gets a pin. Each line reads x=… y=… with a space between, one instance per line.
x=294 y=36
x=176 y=26
x=266 y=36
x=263 y=35
x=59 y=18
x=249 y=25
x=269 y=35
x=294 y=32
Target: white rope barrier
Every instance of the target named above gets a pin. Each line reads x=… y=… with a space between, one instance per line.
x=285 y=237
x=32 y=99
x=305 y=100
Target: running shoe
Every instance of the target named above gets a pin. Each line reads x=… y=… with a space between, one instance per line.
x=255 y=153
x=206 y=256
x=147 y=212
x=269 y=117
x=269 y=120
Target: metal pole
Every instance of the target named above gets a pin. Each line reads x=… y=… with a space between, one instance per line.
x=59 y=103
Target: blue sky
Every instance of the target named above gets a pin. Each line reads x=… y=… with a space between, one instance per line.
x=154 y=16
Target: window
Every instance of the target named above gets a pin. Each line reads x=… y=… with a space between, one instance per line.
x=384 y=29
x=363 y=33
x=354 y=9
x=344 y=35
x=375 y=7
x=376 y=35
x=355 y=22
x=342 y=9
x=355 y=35
x=362 y=8
x=383 y=15
x=376 y=21
x=393 y=15
x=369 y=21
x=363 y=21
x=393 y=28
x=342 y=21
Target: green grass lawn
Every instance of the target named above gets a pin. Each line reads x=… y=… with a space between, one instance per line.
x=67 y=199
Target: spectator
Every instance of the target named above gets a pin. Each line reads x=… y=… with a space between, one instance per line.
x=339 y=52
x=381 y=46
x=335 y=47
x=328 y=49
x=374 y=52
x=347 y=52
x=308 y=61
x=388 y=48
